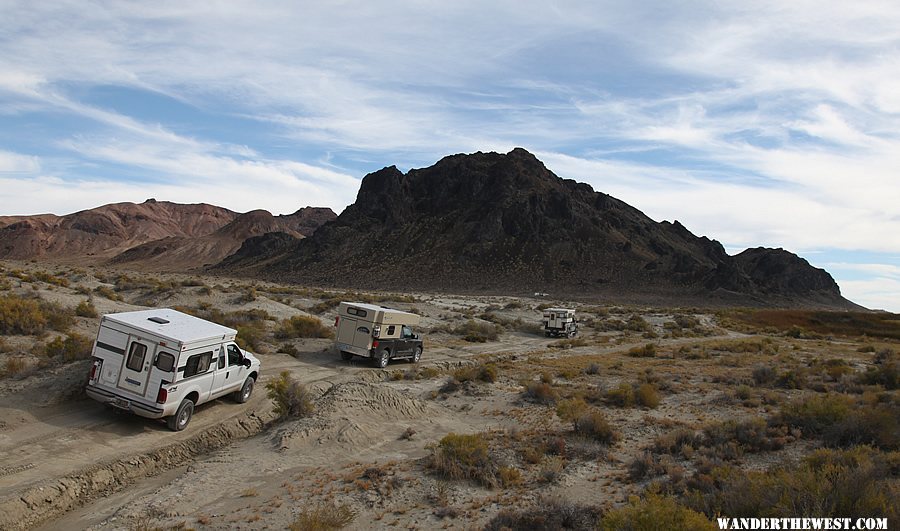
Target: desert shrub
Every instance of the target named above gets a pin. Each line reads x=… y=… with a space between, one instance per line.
x=547 y=516
x=571 y=409
x=74 y=347
x=509 y=476
x=886 y=374
x=646 y=351
x=303 y=326
x=21 y=316
x=816 y=414
x=540 y=392
x=636 y=323
x=837 y=368
x=324 y=517
x=752 y=435
x=551 y=469
x=464 y=457
x=593 y=368
x=86 y=308
x=645 y=465
x=569 y=343
x=885 y=355
x=877 y=426
x=764 y=375
x=486 y=372
x=291 y=398
x=621 y=396
x=743 y=392
x=593 y=424
x=13 y=367
x=250 y=336
x=838 y=484
x=647 y=395
x=653 y=513
x=866 y=348
x=475 y=332
x=676 y=441
x=107 y=292
x=791 y=379
x=288 y=348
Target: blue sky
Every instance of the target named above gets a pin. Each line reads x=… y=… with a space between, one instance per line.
x=754 y=123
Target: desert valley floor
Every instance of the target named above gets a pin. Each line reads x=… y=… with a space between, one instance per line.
x=679 y=395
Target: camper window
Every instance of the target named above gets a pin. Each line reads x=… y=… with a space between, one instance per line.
x=391 y=330
x=357 y=312
x=136 y=357
x=234 y=355
x=198 y=363
x=165 y=361
x=363 y=329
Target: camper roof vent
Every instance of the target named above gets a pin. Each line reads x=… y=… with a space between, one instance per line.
x=159 y=320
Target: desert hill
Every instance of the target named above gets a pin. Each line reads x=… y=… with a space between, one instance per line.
x=504 y=223
x=157 y=235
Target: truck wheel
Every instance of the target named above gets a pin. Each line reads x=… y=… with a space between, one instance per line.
x=244 y=394
x=346 y=356
x=382 y=360
x=417 y=354
x=182 y=417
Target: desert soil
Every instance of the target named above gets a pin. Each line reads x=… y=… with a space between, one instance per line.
x=67 y=462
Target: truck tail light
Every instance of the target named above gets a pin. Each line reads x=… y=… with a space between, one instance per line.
x=374 y=344
x=162 y=395
x=95 y=369
x=337 y=319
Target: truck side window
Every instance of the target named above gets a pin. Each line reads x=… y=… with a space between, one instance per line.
x=136 y=357
x=222 y=358
x=234 y=355
x=165 y=361
x=198 y=363
x=406 y=332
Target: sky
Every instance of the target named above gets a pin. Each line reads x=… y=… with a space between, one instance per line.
x=764 y=123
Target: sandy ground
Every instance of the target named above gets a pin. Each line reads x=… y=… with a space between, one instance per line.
x=67 y=462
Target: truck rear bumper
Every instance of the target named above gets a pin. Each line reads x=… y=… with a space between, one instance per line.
x=119 y=401
x=359 y=351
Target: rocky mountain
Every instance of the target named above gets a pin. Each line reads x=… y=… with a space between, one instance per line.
x=490 y=222
x=156 y=235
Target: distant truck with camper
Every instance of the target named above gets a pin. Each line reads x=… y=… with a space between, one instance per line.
x=375 y=332
x=559 y=322
x=162 y=363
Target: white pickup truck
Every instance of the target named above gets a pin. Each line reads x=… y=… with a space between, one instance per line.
x=161 y=363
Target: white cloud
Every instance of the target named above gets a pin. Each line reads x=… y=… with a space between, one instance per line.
x=877 y=293
x=18 y=163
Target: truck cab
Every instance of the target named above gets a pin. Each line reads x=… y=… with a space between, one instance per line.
x=376 y=332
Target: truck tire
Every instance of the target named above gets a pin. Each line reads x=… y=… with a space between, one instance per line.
x=346 y=356
x=382 y=360
x=182 y=416
x=417 y=355
x=245 y=391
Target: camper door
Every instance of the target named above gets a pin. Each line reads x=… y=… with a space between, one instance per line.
x=135 y=370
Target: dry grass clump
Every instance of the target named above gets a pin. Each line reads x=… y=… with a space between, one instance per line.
x=856 y=483
x=546 y=516
x=13 y=367
x=475 y=332
x=86 y=308
x=627 y=395
x=291 y=398
x=324 y=518
x=73 y=347
x=656 y=512
x=842 y=421
x=107 y=292
x=594 y=425
x=303 y=326
x=30 y=316
x=486 y=372
x=886 y=371
x=464 y=457
x=646 y=351
x=540 y=392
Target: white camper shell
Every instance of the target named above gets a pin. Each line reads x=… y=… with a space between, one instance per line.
x=161 y=363
x=376 y=332
x=560 y=322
